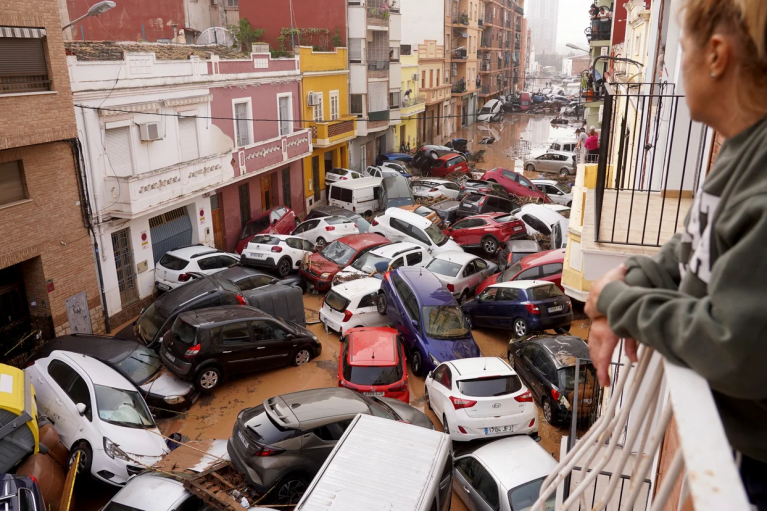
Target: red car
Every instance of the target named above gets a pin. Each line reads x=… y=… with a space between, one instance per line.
x=322 y=266
x=278 y=220
x=541 y=266
x=516 y=184
x=444 y=165
x=487 y=231
x=373 y=362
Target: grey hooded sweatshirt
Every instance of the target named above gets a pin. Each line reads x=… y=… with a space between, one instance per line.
x=702 y=300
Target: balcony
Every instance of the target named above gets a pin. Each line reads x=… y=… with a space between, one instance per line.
x=519 y=10
x=461 y=19
x=480 y=23
x=377 y=14
x=328 y=133
x=459 y=53
x=378 y=68
x=382 y=115
x=600 y=30
x=489 y=20
x=459 y=87
x=413 y=106
x=437 y=94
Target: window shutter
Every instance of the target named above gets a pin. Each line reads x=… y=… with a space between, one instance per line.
x=22 y=65
x=187 y=132
x=118 y=152
x=11 y=183
x=285 y=115
x=241 y=124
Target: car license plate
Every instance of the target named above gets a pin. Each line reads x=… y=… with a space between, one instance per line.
x=242 y=439
x=256 y=256
x=169 y=356
x=499 y=429
x=555 y=309
x=164 y=287
x=373 y=394
x=518 y=228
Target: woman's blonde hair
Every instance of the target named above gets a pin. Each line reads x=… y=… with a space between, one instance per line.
x=746 y=21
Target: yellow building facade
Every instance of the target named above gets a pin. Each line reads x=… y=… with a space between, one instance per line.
x=324 y=106
x=412 y=106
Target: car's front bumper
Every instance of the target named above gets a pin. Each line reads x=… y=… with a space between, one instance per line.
x=319 y=284
x=475 y=426
x=115 y=471
x=157 y=401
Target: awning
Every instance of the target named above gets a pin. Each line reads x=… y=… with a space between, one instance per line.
x=22 y=32
x=464 y=34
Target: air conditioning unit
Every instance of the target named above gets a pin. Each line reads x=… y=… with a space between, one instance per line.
x=415 y=77
x=150 y=131
x=313 y=99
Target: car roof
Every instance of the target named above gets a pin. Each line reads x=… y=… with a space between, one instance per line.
x=547 y=257
x=409 y=217
x=394 y=249
x=564 y=349
x=445 y=204
x=97 y=371
x=356 y=287
x=353 y=184
x=237 y=272
x=544 y=181
x=371 y=347
x=101 y=348
x=515 y=460
x=542 y=212
x=523 y=284
x=524 y=245
x=150 y=491
x=190 y=252
x=490 y=103
x=360 y=241
x=468 y=368
x=455 y=256
x=197 y=288
x=283 y=237
x=222 y=313
x=430 y=180
x=562 y=153
x=315 y=407
x=426 y=285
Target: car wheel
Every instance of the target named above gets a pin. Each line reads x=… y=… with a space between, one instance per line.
x=367 y=213
x=464 y=297
x=564 y=173
x=284 y=267
x=562 y=330
x=86 y=457
x=520 y=328
x=416 y=364
x=570 y=204
x=320 y=242
x=530 y=167
x=208 y=378
x=445 y=426
x=489 y=245
x=548 y=411
x=290 y=490
x=381 y=304
x=301 y=357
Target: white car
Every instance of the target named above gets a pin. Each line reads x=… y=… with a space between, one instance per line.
x=321 y=231
x=508 y=471
x=381 y=172
x=557 y=192
x=480 y=398
x=540 y=219
x=492 y=111
x=562 y=210
x=174 y=268
x=398 y=166
x=98 y=413
x=461 y=272
x=352 y=304
x=400 y=225
x=154 y=491
x=435 y=188
x=401 y=253
x=338 y=174
x=282 y=253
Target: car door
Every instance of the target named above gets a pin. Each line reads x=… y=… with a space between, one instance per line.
x=317 y=443
x=272 y=345
x=552 y=273
x=529 y=274
x=466 y=277
x=286 y=220
x=530 y=374
x=295 y=251
x=440 y=390
x=483 y=271
x=307 y=231
x=461 y=230
x=508 y=307
x=445 y=485
x=479 y=228
x=233 y=346
x=417 y=258
x=463 y=474
x=485 y=494
x=483 y=313
x=452 y=190
x=368 y=311
x=64 y=389
x=419 y=237
x=400 y=231
x=209 y=264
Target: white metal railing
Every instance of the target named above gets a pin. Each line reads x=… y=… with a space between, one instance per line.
x=711 y=477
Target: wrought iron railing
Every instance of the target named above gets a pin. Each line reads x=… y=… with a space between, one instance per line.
x=600 y=30
x=16 y=84
x=459 y=87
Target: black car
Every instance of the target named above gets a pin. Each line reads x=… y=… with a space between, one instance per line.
x=322 y=211
x=446 y=210
x=206 y=345
x=247 y=279
x=156 y=320
x=547 y=367
x=476 y=203
x=426 y=154
x=486 y=187
x=20 y=493
x=140 y=365
x=458 y=144
x=395 y=192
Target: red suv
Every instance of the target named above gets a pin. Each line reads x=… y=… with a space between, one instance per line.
x=514 y=183
x=541 y=266
x=322 y=266
x=373 y=362
x=278 y=220
x=487 y=231
x=448 y=163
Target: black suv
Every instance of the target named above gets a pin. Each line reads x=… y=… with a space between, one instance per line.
x=476 y=203
x=206 y=345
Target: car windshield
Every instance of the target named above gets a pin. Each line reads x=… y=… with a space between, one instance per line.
x=544 y=292
x=423 y=211
x=438 y=237
x=510 y=272
x=150 y=322
x=367 y=263
x=445 y=322
x=563 y=188
x=363 y=375
x=336 y=302
x=122 y=407
x=338 y=253
x=524 y=496
x=183 y=331
x=140 y=365
x=258 y=225
x=485 y=110
x=490 y=386
x=442 y=267
x=566 y=376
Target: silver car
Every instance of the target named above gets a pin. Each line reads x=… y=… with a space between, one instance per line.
x=461 y=272
x=557 y=192
x=557 y=162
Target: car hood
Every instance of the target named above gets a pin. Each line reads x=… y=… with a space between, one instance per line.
x=167 y=384
x=319 y=264
x=454 y=349
x=487 y=282
x=449 y=245
x=349 y=271
x=408 y=413
x=144 y=445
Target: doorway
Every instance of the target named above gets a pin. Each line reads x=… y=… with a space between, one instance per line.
x=402 y=141
x=168 y=231
x=328 y=168
x=316 y=177
x=363 y=157
x=126 y=271
x=267 y=199
x=218 y=221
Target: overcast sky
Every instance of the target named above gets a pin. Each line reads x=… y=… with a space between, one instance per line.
x=573 y=20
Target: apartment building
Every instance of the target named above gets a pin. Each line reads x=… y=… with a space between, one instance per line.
x=48 y=282
x=500 y=48
x=413 y=104
x=464 y=24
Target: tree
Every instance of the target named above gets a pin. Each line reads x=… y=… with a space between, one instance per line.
x=245 y=35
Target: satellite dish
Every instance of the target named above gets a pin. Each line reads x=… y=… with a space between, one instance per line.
x=218 y=36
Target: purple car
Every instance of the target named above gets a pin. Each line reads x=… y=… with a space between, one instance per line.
x=430 y=321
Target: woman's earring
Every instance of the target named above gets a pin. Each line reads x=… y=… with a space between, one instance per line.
x=713 y=75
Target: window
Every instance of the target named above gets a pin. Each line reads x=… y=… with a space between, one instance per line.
x=551 y=269
x=334 y=109
x=12 y=185
x=187 y=135
x=244 y=192
x=209 y=263
x=317 y=110
x=332 y=432
x=486 y=487
x=509 y=295
x=405 y=49
x=231 y=3
x=254 y=282
x=399 y=225
x=61 y=373
x=467 y=467
x=414 y=258
x=284 y=114
x=235 y=334
x=356 y=104
x=529 y=274
x=397 y=263
x=242 y=126
x=370 y=300
x=423 y=79
x=286 y=187
x=438 y=77
x=117 y=142
x=268 y=331
x=431 y=78
x=394 y=99
x=23 y=67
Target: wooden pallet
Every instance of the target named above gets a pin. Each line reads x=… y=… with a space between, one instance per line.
x=214 y=485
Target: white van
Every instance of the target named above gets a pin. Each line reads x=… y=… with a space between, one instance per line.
x=381 y=464
x=359 y=195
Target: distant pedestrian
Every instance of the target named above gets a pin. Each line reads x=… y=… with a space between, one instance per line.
x=581 y=136
x=592 y=146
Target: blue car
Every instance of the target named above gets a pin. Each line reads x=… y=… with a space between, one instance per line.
x=432 y=326
x=402 y=157
x=522 y=306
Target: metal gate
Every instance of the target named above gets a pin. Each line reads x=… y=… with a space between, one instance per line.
x=126 y=271
x=169 y=231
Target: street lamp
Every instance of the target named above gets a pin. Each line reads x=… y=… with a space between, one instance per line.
x=95 y=10
x=575 y=47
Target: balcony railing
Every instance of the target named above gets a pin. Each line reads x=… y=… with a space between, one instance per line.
x=459 y=87
x=16 y=84
x=480 y=23
x=462 y=19
x=378 y=68
x=489 y=17
x=485 y=89
x=649 y=166
x=325 y=133
x=519 y=10
x=417 y=100
x=459 y=53
x=600 y=30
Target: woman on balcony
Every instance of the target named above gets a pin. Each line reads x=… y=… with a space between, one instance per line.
x=700 y=302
